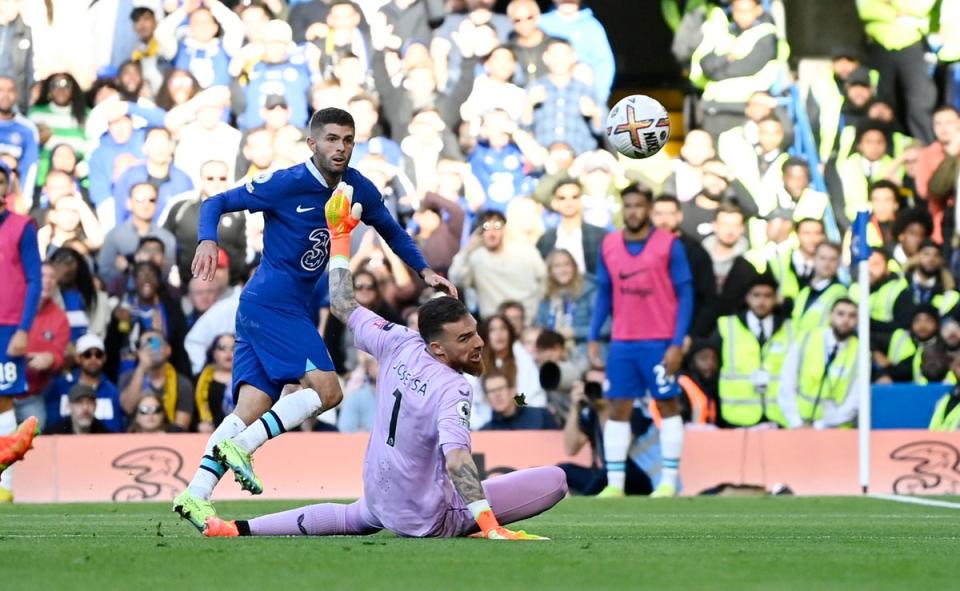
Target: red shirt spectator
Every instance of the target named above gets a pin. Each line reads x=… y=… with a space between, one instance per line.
x=48 y=337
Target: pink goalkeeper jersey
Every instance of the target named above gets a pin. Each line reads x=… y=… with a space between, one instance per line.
x=423 y=407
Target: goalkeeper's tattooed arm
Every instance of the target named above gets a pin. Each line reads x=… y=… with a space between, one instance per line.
x=464 y=474
x=342 y=302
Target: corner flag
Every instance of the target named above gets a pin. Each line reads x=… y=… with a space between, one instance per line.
x=859 y=253
x=859 y=247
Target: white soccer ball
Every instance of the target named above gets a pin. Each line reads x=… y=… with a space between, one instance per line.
x=638 y=126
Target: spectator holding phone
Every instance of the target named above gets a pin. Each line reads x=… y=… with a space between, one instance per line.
x=154 y=374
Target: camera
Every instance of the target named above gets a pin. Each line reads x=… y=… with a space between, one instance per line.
x=560 y=375
x=593 y=391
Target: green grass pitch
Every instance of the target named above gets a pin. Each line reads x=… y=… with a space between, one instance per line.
x=637 y=543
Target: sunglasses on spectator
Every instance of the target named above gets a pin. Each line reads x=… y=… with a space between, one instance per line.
x=149 y=410
x=142 y=199
x=215 y=178
x=93 y=354
x=492 y=225
x=520 y=19
x=225 y=347
x=364 y=287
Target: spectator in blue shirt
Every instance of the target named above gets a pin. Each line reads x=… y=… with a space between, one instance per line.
x=122 y=137
x=508 y=415
x=281 y=72
x=589 y=40
x=90 y=358
x=199 y=50
x=18 y=136
x=503 y=159
x=561 y=108
x=158 y=170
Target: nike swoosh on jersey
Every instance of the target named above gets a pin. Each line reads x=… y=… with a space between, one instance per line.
x=624 y=276
x=302 y=209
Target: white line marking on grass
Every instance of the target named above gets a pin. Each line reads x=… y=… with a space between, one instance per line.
x=918 y=501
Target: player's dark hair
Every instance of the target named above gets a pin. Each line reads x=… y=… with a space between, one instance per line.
x=638 y=189
x=328 y=116
x=434 y=314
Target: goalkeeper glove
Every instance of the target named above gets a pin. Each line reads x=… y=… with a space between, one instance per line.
x=342 y=217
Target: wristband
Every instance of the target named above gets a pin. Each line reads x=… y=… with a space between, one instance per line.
x=483 y=514
x=339 y=262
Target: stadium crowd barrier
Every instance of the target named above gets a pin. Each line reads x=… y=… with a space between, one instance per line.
x=327 y=465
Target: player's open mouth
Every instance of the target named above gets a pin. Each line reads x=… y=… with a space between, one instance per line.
x=338 y=160
x=475 y=358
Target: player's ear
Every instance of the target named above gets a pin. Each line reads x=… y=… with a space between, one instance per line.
x=438 y=351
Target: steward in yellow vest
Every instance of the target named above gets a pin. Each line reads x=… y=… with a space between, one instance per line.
x=850 y=178
x=752 y=345
x=884 y=289
x=819 y=376
x=905 y=351
x=812 y=306
x=835 y=112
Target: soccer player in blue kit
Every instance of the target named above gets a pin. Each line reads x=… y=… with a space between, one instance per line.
x=277 y=338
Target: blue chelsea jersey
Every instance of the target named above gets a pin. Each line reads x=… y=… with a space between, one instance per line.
x=296 y=242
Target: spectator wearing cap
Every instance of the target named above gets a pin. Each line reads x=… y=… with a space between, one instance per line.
x=572 y=233
x=122 y=241
x=897 y=32
x=561 y=108
x=89 y=359
x=154 y=373
x=285 y=136
x=498 y=268
x=858 y=94
x=280 y=71
x=666 y=214
x=901 y=359
x=46 y=346
x=828 y=92
x=752 y=343
x=158 y=170
x=589 y=39
x=182 y=217
x=82 y=420
x=199 y=49
x=527 y=40
x=928 y=282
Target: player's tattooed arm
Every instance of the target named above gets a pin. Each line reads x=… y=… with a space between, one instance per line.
x=342 y=302
x=464 y=474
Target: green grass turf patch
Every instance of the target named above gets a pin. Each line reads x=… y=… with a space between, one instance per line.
x=637 y=543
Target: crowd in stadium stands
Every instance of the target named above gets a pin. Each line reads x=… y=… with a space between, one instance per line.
x=484 y=132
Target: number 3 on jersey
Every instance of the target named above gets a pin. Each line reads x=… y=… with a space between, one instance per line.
x=316 y=257
x=394 y=415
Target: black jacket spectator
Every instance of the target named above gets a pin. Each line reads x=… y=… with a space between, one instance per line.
x=704 y=287
x=65 y=427
x=526 y=417
x=592 y=238
x=183 y=220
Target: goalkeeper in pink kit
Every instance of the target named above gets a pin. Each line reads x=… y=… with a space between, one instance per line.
x=419 y=476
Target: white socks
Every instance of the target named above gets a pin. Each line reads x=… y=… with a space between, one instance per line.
x=616 y=443
x=8 y=424
x=211 y=471
x=288 y=413
x=671 y=446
